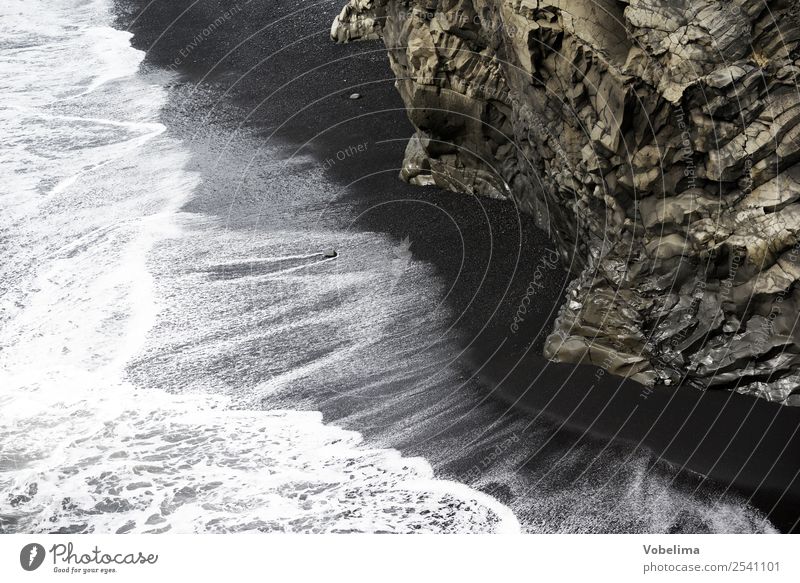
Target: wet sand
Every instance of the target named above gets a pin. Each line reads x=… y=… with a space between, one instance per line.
x=275 y=61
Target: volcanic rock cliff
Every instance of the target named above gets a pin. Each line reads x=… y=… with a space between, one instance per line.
x=656 y=140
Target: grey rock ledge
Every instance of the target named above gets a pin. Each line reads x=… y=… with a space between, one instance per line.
x=656 y=140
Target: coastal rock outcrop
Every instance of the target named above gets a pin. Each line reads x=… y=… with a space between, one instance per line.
x=656 y=140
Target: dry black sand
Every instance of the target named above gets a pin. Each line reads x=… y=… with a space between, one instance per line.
x=274 y=62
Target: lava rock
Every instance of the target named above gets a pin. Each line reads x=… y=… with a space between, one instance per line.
x=658 y=141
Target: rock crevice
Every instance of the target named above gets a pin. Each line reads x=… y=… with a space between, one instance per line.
x=657 y=142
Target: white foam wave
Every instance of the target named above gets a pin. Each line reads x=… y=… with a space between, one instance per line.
x=83 y=449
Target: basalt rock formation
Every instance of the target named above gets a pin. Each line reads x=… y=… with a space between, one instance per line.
x=657 y=140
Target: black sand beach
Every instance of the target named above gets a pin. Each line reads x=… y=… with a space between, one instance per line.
x=270 y=69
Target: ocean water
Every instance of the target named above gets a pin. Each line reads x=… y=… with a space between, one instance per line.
x=100 y=269
x=178 y=354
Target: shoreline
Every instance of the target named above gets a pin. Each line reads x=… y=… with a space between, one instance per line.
x=447 y=229
x=741 y=442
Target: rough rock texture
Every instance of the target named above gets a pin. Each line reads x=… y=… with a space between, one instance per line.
x=657 y=140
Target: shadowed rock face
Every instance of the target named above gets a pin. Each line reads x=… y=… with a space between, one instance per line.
x=657 y=140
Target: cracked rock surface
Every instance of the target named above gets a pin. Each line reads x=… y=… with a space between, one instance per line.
x=656 y=140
